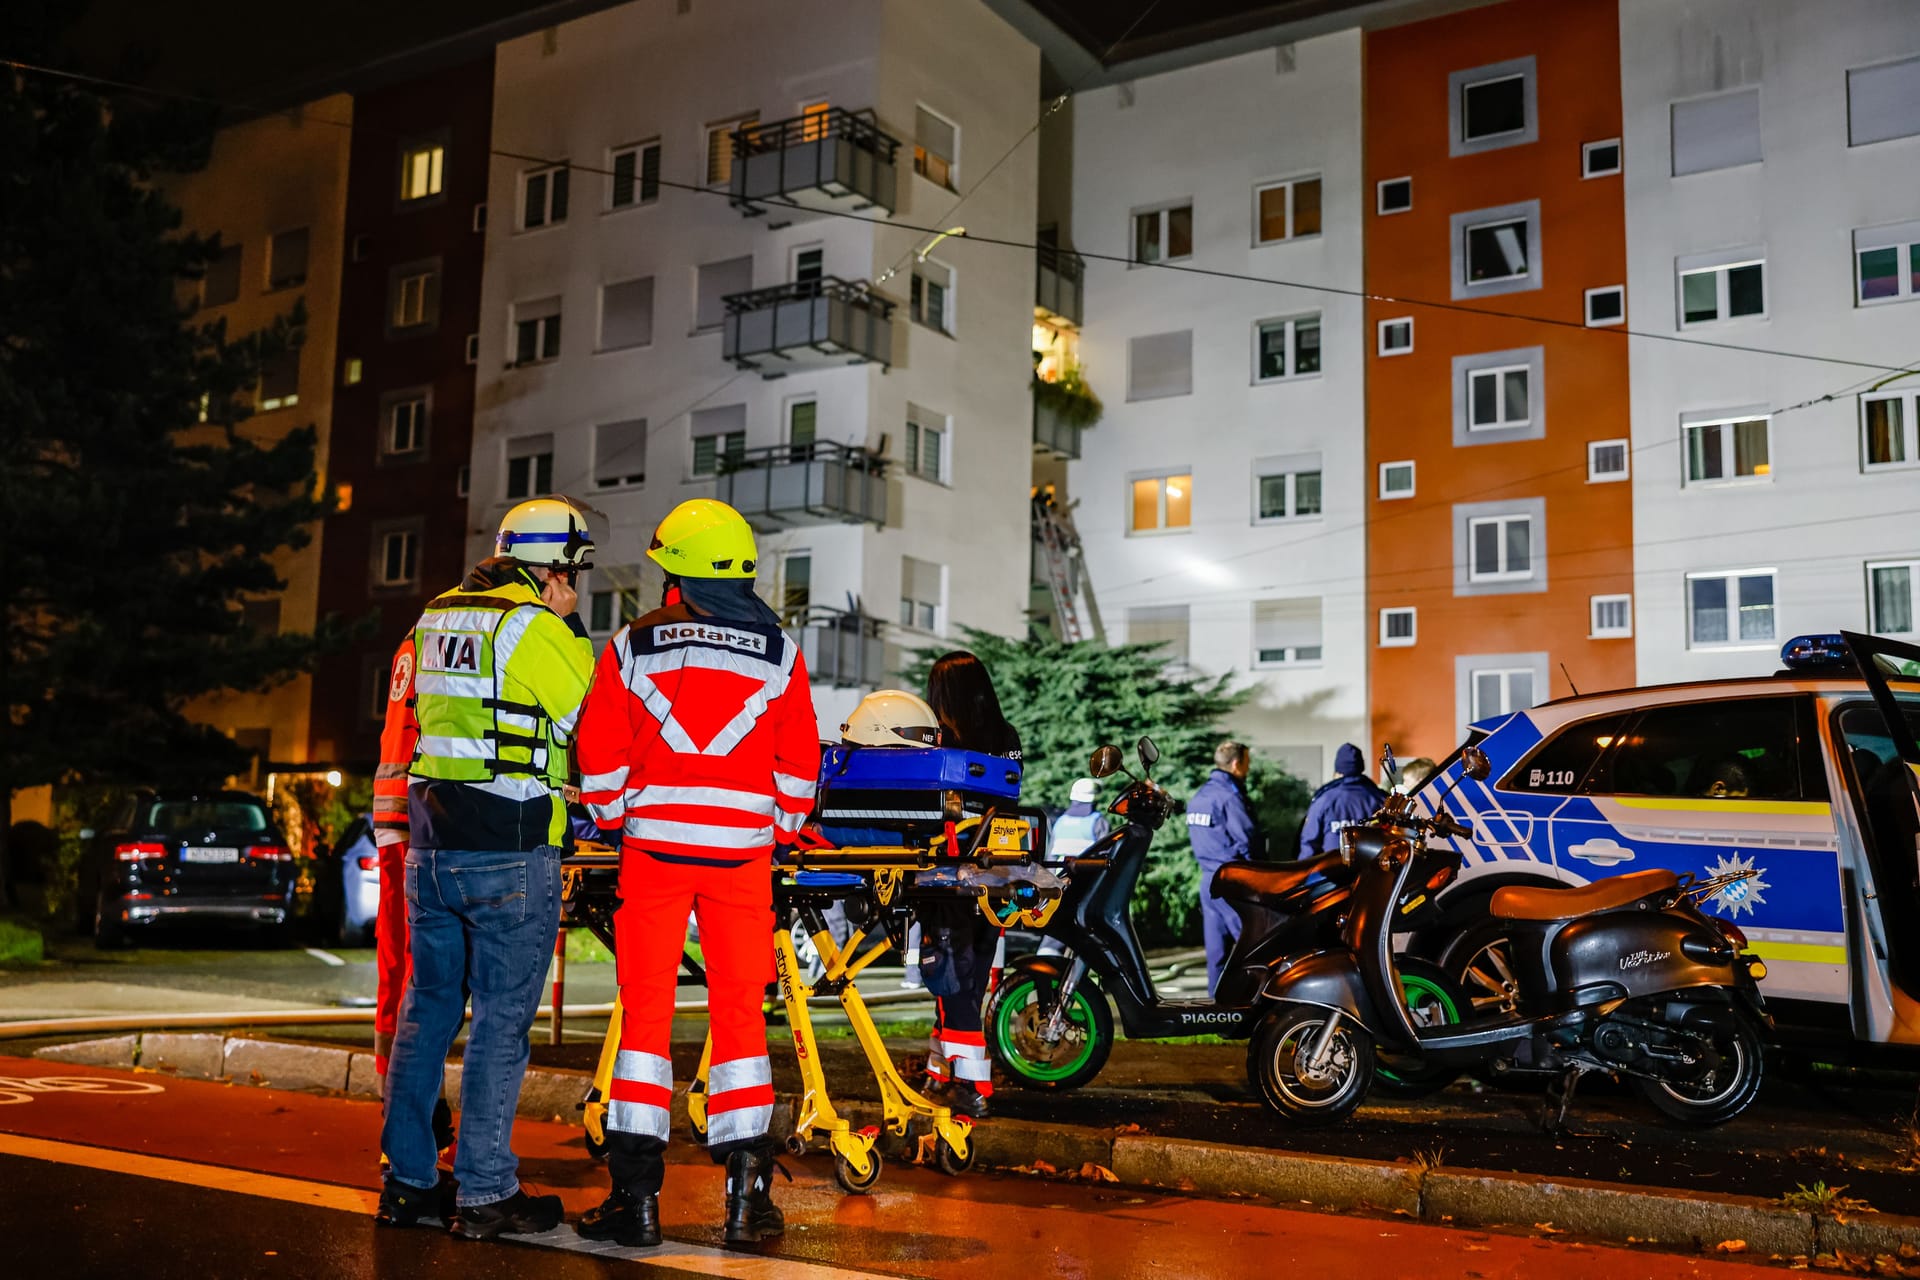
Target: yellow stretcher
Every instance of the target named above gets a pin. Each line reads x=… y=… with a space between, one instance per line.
x=1000 y=872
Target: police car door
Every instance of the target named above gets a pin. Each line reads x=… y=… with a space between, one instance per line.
x=1882 y=765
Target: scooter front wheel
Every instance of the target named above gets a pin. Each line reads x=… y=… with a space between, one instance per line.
x=1282 y=1069
x=1016 y=1026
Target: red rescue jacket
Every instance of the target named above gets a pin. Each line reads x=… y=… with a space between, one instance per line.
x=697 y=739
x=397 y=741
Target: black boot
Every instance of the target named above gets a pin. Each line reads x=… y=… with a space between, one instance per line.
x=519 y=1214
x=751 y=1213
x=405 y=1206
x=625 y=1218
x=963 y=1099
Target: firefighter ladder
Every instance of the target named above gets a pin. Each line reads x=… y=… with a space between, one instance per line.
x=1059 y=545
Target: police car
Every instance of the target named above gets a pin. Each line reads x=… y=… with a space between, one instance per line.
x=1810 y=778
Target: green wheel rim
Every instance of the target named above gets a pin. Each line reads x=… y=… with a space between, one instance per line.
x=1416 y=991
x=1079 y=1014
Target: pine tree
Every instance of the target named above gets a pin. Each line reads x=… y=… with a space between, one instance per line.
x=1067 y=699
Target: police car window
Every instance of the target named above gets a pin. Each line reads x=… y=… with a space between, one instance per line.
x=1732 y=750
x=1561 y=763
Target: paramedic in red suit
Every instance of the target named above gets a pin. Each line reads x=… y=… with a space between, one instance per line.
x=698 y=744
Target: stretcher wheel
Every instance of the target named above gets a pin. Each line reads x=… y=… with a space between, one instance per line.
x=951 y=1162
x=852 y=1183
x=796 y=1145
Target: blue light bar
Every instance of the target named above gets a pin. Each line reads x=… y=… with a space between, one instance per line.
x=1816 y=653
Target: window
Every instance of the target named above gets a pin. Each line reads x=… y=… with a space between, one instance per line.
x=714 y=281
x=636 y=176
x=1393 y=195
x=1286 y=488
x=1491 y=107
x=1600 y=159
x=280 y=381
x=719 y=435
x=1161 y=503
x=1745 y=749
x=1286 y=348
x=1163 y=235
x=1396 y=480
x=1711 y=291
x=930 y=296
x=397 y=558
x=626 y=314
x=1725 y=609
x=1720 y=132
x=536 y=331
x=351 y=371
x=1500 y=691
x=1498 y=398
x=922 y=594
x=620 y=454
x=809 y=264
x=1890 y=597
x=610 y=610
x=1606 y=306
x=413 y=290
x=1159 y=365
x=1286 y=633
x=926 y=444
x=1399 y=627
x=1284 y=210
x=796 y=587
x=803 y=424
x=1607 y=460
x=420 y=170
x=936 y=148
x=406 y=425
x=221 y=284
x=1563 y=762
x=1497 y=251
x=1726 y=449
x=543 y=197
x=1396 y=336
x=1501 y=548
x=1888 y=435
x=1883 y=102
x=1166 y=626
x=815 y=120
x=1886 y=263
x=720 y=148
x=529 y=466
x=1609 y=617
x=287 y=259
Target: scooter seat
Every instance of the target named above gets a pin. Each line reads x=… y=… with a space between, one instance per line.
x=1531 y=902
x=1266 y=882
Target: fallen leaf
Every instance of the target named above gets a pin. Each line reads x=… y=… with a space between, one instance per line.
x=1042 y=1167
x=1732 y=1246
x=1548 y=1228
x=1129 y=1128
x=1477 y=1248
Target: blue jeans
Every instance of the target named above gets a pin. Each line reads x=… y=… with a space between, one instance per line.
x=482 y=922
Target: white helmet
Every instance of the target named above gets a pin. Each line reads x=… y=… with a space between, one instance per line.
x=891 y=718
x=1085 y=791
x=547 y=531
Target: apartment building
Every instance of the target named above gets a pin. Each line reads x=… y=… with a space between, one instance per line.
x=1221 y=500
x=1500 y=534
x=275 y=191
x=1773 y=214
x=716 y=272
x=403 y=404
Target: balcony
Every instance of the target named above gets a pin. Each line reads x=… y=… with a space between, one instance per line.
x=1058 y=277
x=822 y=162
x=810 y=484
x=841 y=648
x=1062 y=410
x=808 y=324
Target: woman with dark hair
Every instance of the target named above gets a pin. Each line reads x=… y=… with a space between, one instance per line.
x=956 y=945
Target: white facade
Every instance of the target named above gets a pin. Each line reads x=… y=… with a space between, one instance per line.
x=644 y=72
x=1748 y=100
x=1210 y=137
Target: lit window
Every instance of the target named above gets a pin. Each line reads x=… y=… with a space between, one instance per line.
x=936 y=148
x=280 y=381
x=1398 y=627
x=1162 y=503
x=1286 y=210
x=420 y=171
x=1731 y=449
x=720 y=148
x=1889 y=427
x=1163 y=235
x=543 y=199
x=1286 y=348
x=1730 y=608
x=815 y=121
x=1890 y=597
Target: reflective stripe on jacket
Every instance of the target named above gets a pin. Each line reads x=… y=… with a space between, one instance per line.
x=397 y=739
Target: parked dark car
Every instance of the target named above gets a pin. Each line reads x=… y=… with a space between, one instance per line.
x=347 y=897
x=186 y=857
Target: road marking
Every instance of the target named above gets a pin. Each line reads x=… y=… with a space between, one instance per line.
x=16 y=1089
x=674 y=1254
x=326 y=957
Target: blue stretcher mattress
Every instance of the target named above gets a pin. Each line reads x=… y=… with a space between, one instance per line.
x=891 y=795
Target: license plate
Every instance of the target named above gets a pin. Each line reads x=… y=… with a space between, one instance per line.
x=1008 y=835
x=209 y=855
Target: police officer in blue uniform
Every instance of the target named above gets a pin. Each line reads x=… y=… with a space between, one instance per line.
x=1351 y=797
x=1220 y=825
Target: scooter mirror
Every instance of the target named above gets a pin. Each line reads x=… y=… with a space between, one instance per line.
x=1149 y=754
x=1474 y=763
x=1105 y=761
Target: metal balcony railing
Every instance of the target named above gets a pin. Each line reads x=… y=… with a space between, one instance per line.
x=810 y=484
x=833 y=159
x=807 y=324
x=1057 y=288
x=841 y=647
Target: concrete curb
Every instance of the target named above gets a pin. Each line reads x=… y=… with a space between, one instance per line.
x=1441 y=1195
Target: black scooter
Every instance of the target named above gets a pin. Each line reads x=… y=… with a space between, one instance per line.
x=1049 y=1024
x=1626 y=976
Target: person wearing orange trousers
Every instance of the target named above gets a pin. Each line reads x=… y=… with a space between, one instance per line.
x=698 y=743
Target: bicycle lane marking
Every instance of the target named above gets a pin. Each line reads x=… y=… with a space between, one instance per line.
x=19 y=1089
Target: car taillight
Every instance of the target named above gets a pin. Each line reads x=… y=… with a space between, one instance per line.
x=368 y=862
x=139 y=850
x=1733 y=934
x=269 y=853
